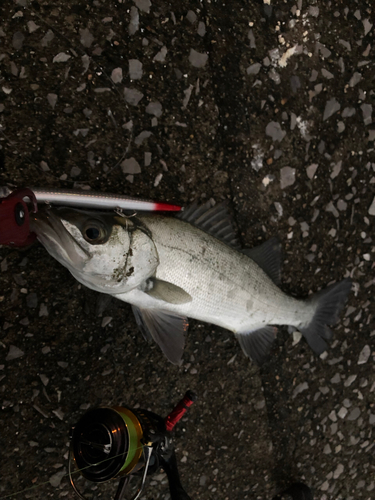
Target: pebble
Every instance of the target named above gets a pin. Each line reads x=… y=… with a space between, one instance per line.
x=135 y=69
x=147 y=158
x=130 y=166
x=342 y=412
x=52 y=100
x=116 y=75
x=48 y=37
x=106 y=321
x=311 y=170
x=342 y=205
x=332 y=416
x=348 y=382
x=145 y=134
x=132 y=96
x=202 y=480
x=354 y=414
x=338 y=471
x=325 y=486
x=133 y=26
x=364 y=355
x=86 y=37
x=367 y=26
x=347 y=112
x=253 y=69
x=336 y=170
x=371 y=210
x=157 y=180
x=59 y=414
x=14 y=353
x=327 y=449
x=61 y=57
x=18 y=39
x=154 y=108
x=274 y=130
x=55 y=479
x=331 y=208
x=367 y=113
x=143 y=5
x=191 y=16
x=332 y=106
x=300 y=388
x=161 y=55
x=75 y=171
x=356 y=78
x=287 y=177
x=197 y=59
x=201 y=28
x=336 y=379
x=44 y=379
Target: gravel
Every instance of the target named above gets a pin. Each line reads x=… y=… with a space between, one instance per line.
x=269 y=109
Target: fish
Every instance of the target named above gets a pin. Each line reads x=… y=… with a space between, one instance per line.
x=171 y=268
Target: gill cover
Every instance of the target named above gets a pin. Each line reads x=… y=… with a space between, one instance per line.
x=142 y=258
x=105 y=252
x=122 y=253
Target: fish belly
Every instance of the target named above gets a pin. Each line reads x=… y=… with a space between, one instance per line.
x=227 y=288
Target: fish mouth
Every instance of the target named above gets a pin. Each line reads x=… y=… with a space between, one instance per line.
x=57 y=240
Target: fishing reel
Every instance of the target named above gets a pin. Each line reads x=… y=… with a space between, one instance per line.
x=119 y=442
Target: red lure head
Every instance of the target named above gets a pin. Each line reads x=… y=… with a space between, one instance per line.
x=14 y=218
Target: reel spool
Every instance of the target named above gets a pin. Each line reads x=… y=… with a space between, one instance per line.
x=119 y=442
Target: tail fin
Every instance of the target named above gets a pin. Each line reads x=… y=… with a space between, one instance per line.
x=329 y=303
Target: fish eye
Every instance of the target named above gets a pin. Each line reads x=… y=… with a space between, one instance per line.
x=94 y=232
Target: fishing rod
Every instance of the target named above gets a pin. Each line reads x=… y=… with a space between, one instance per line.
x=120 y=442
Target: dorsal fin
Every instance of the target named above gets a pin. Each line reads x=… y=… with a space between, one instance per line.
x=268 y=257
x=214 y=220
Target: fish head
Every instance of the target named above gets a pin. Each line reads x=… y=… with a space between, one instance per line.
x=106 y=252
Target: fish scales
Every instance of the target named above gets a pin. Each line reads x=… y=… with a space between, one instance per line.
x=226 y=286
x=169 y=269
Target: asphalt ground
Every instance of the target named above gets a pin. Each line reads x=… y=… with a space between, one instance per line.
x=266 y=105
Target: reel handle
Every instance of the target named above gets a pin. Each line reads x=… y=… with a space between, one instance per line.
x=179 y=410
x=175 y=487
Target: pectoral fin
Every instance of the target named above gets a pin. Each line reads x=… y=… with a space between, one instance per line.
x=257 y=344
x=167 y=330
x=168 y=292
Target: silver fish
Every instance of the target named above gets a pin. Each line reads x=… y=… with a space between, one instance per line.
x=172 y=268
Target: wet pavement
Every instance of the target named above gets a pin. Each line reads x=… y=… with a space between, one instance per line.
x=266 y=105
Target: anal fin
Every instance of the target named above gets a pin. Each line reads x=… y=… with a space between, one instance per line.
x=257 y=344
x=167 y=330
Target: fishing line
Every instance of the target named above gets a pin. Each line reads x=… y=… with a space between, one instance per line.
x=119 y=443
x=37 y=486
x=98 y=68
